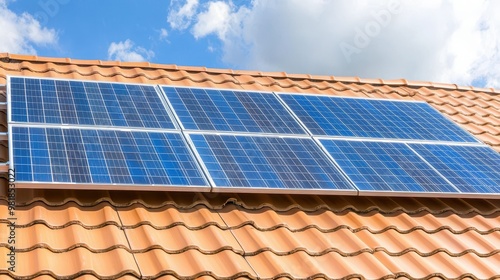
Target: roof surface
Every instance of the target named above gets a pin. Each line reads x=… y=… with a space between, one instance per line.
x=132 y=234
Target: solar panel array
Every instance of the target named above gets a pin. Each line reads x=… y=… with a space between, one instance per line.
x=95 y=133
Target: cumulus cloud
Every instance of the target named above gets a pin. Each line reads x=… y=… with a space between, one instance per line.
x=127 y=51
x=216 y=19
x=180 y=16
x=446 y=41
x=22 y=33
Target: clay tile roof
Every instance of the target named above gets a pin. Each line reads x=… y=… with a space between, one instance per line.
x=77 y=234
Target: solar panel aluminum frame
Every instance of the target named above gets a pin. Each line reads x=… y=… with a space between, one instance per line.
x=171 y=107
x=9 y=109
x=279 y=94
x=159 y=93
x=458 y=194
x=111 y=186
x=217 y=189
x=387 y=140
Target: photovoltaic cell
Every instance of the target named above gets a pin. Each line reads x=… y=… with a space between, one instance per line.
x=471 y=169
x=356 y=117
x=267 y=162
x=383 y=166
x=234 y=111
x=92 y=156
x=87 y=103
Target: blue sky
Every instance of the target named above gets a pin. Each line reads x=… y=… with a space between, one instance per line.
x=443 y=41
x=86 y=29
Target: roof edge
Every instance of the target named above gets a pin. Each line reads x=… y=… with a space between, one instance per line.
x=7 y=57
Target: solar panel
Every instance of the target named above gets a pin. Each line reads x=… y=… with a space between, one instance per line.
x=87 y=103
x=97 y=156
x=472 y=169
x=372 y=118
x=233 y=111
x=385 y=166
x=264 y=162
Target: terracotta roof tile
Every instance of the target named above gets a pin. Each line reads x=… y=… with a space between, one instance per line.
x=300 y=265
x=62 y=216
x=347 y=242
x=71 y=264
x=193 y=263
x=61 y=240
x=178 y=239
x=327 y=221
x=197 y=217
x=167 y=235
x=440 y=265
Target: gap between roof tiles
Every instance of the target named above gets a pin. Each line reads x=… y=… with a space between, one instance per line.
x=122 y=229
x=238 y=241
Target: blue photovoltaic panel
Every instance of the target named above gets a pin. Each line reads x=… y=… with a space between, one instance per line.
x=356 y=117
x=87 y=103
x=90 y=156
x=267 y=162
x=234 y=111
x=383 y=166
x=471 y=169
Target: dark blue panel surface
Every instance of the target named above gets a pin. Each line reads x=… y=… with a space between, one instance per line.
x=95 y=156
x=58 y=156
x=88 y=156
x=51 y=106
x=77 y=160
x=471 y=169
x=235 y=111
x=176 y=160
x=356 y=117
x=40 y=160
x=113 y=155
x=381 y=166
x=87 y=103
x=34 y=100
x=18 y=101
x=22 y=153
x=267 y=162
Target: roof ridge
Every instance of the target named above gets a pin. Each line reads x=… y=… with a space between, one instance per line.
x=8 y=57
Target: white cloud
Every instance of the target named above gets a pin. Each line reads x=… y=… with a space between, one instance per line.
x=216 y=19
x=180 y=16
x=163 y=34
x=434 y=40
x=22 y=33
x=126 y=51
